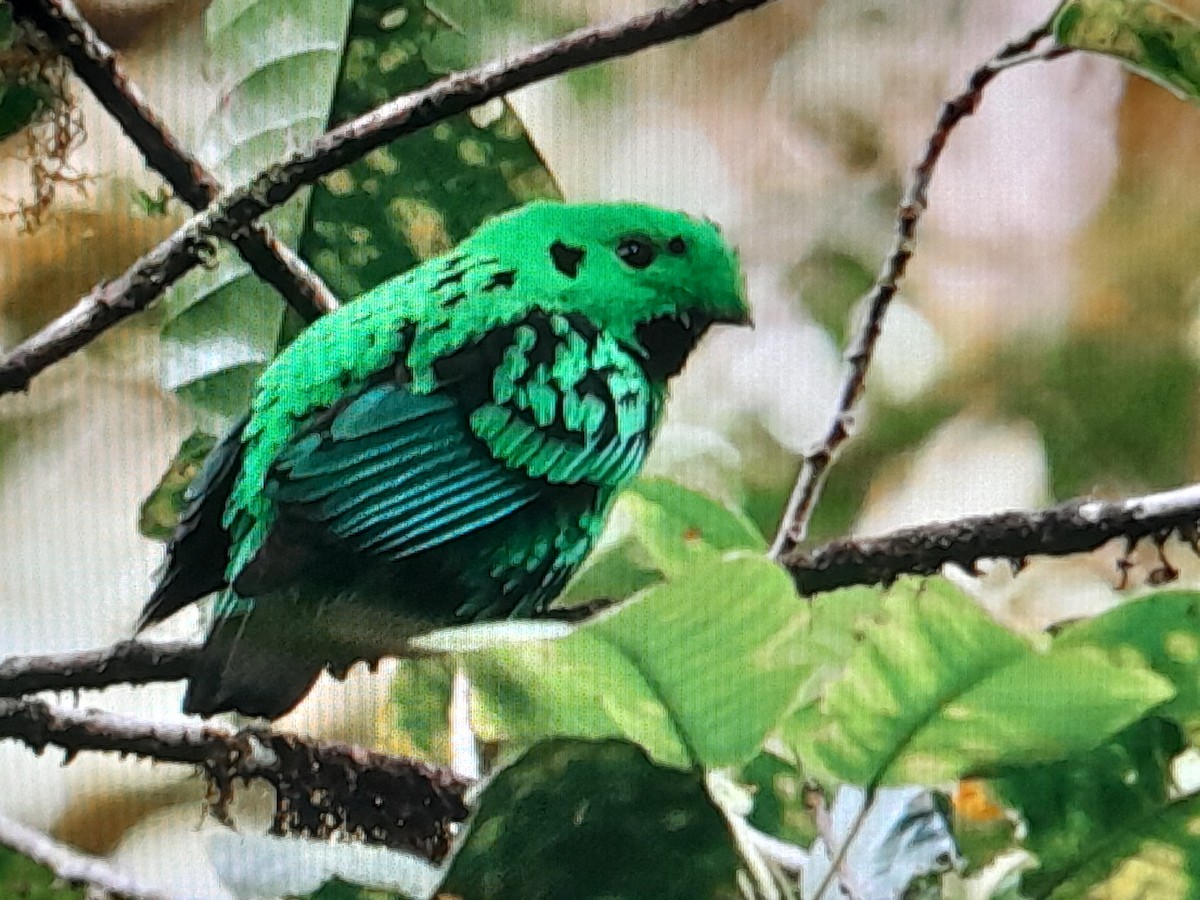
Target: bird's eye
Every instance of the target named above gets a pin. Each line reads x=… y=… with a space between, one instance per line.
x=636 y=252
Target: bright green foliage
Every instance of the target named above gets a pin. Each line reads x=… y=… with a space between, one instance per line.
x=23 y=879
x=1156 y=39
x=1164 y=629
x=295 y=68
x=1074 y=808
x=657 y=530
x=573 y=819
x=938 y=690
x=668 y=670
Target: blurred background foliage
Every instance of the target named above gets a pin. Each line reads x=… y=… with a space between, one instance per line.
x=1044 y=346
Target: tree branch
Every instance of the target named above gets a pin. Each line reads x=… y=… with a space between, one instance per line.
x=70 y=866
x=229 y=217
x=1076 y=526
x=321 y=788
x=129 y=662
x=96 y=65
x=794 y=522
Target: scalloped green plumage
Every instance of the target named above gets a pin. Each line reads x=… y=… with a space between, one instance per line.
x=446 y=447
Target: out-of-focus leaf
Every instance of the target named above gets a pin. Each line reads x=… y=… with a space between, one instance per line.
x=1164 y=628
x=8 y=28
x=1080 y=393
x=261 y=865
x=983 y=829
x=658 y=528
x=1158 y=40
x=278 y=66
x=23 y=879
x=294 y=69
x=161 y=510
x=939 y=690
x=417 y=722
x=831 y=281
x=23 y=94
x=574 y=820
x=696 y=670
x=420 y=196
x=1074 y=807
x=778 y=808
x=291 y=70
x=902 y=841
x=20 y=105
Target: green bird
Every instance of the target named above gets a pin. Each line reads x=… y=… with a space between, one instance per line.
x=442 y=450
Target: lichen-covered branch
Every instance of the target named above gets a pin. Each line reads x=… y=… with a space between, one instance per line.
x=129 y=662
x=321 y=788
x=230 y=217
x=794 y=522
x=1076 y=526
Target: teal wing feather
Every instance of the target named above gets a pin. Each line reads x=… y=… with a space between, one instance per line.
x=388 y=474
x=544 y=411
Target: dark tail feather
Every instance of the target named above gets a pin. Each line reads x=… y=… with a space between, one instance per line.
x=248 y=666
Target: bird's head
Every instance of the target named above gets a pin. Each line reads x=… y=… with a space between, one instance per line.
x=652 y=277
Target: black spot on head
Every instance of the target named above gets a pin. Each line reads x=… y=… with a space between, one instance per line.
x=677 y=245
x=566 y=259
x=504 y=279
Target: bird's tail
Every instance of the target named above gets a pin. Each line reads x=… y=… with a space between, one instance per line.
x=249 y=665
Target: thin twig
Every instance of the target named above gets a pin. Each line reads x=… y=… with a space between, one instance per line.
x=97 y=66
x=321 y=788
x=129 y=662
x=72 y=867
x=794 y=523
x=229 y=217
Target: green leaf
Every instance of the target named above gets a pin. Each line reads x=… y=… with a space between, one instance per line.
x=160 y=511
x=1164 y=628
x=573 y=820
x=23 y=879
x=779 y=807
x=939 y=690
x=419 y=716
x=405 y=202
x=1073 y=808
x=1158 y=40
x=657 y=529
x=222 y=325
x=696 y=670
x=294 y=69
x=21 y=104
